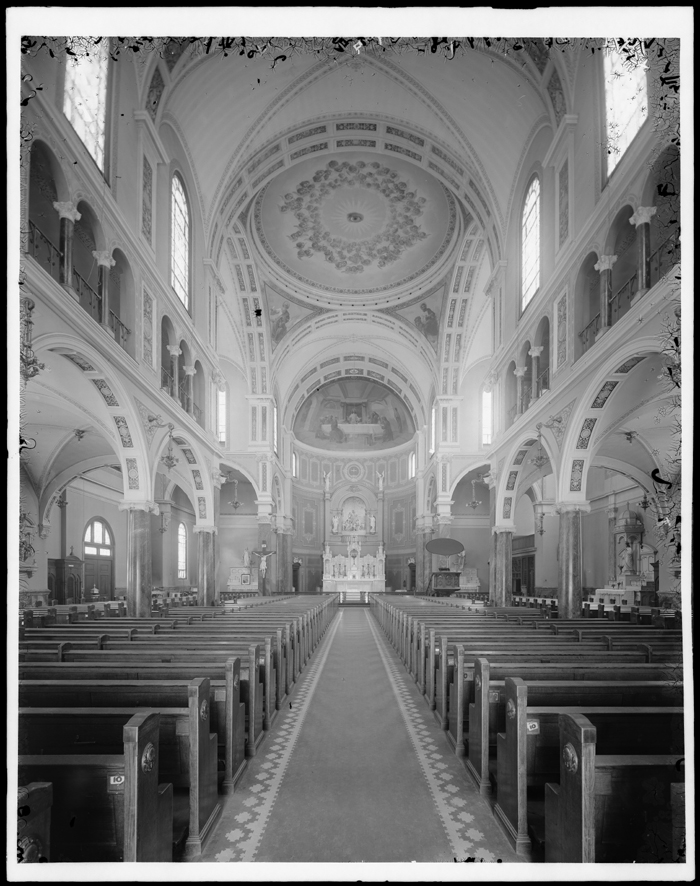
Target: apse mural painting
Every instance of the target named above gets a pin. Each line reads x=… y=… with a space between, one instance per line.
x=353 y=414
x=284 y=313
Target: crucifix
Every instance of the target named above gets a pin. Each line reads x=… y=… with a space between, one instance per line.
x=264 y=554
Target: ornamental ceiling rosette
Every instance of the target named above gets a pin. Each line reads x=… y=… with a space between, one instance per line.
x=359 y=224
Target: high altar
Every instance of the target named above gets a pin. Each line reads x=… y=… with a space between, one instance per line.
x=354 y=571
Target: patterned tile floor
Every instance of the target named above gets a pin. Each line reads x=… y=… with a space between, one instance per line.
x=356 y=769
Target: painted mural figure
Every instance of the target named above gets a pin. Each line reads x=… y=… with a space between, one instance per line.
x=386 y=427
x=428 y=323
x=354 y=419
x=279 y=325
x=399 y=420
x=336 y=435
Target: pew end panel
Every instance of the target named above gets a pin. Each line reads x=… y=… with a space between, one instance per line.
x=34 y=803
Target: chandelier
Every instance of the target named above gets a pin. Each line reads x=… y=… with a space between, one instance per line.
x=540 y=460
x=170 y=460
x=644 y=503
x=235 y=504
x=474 y=504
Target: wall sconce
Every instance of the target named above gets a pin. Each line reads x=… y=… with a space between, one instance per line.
x=540 y=519
x=29 y=365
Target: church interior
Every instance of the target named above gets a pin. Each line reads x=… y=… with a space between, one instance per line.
x=357 y=367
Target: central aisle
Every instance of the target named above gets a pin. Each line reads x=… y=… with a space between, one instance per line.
x=356 y=770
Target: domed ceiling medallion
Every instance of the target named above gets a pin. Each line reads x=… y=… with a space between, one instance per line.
x=357 y=224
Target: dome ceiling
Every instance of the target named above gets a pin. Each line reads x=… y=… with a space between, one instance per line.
x=357 y=225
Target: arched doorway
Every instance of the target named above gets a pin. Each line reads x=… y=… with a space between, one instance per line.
x=98 y=559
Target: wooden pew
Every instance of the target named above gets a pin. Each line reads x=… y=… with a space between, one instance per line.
x=599 y=811
x=219 y=672
x=128 y=654
x=108 y=807
x=34 y=803
x=487 y=714
x=227 y=710
x=461 y=688
x=528 y=751
x=187 y=755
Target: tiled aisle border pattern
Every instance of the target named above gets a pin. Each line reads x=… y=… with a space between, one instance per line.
x=445 y=795
x=260 y=798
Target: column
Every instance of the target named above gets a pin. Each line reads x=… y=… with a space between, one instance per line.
x=612 y=553
x=519 y=372
x=69 y=215
x=380 y=512
x=189 y=389
x=139 y=579
x=327 y=510
x=423 y=558
x=642 y=221
x=570 y=597
x=284 y=566
x=206 y=565
x=218 y=479
x=175 y=352
x=535 y=354
x=105 y=263
x=491 y=481
x=604 y=267
x=503 y=567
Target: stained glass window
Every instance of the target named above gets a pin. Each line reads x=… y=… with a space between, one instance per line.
x=625 y=102
x=180 y=241
x=181 y=551
x=530 y=243
x=85 y=98
x=97 y=540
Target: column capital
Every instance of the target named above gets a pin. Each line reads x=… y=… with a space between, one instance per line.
x=174 y=350
x=564 y=507
x=103 y=258
x=642 y=216
x=206 y=527
x=519 y=371
x=190 y=370
x=535 y=352
x=605 y=263
x=67 y=210
x=491 y=479
x=148 y=506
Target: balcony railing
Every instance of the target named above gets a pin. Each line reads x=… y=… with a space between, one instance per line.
x=525 y=397
x=166 y=380
x=664 y=257
x=543 y=380
x=89 y=299
x=44 y=252
x=621 y=301
x=512 y=412
x=121 y=333
x=588 y=335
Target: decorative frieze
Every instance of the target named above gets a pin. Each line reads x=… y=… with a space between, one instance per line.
x=147 y=201
x=603 y=394
x=584 y=437
x=106 y=391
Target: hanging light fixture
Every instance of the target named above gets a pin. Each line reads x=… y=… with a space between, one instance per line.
x=170 y=460
x=235 y=504
x=644 y=503
x=29 y=365
x=540 y=519
x=474 y=504
x=540 y=460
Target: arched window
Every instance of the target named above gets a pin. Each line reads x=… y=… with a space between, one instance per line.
x=85 y=98
x=530 y=243
x=486 y=417
x=221 y=417
x=97 y=541
x=181 y=551
x=625 y=102
x=180 y=241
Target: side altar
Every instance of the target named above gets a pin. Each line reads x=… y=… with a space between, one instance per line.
x=353 y=571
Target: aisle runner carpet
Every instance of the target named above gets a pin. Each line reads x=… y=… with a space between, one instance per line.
x=356 y=770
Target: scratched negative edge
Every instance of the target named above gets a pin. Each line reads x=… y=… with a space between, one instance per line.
x=261 y=797
x=445 y=796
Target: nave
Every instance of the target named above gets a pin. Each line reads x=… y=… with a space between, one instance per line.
x=356 y=770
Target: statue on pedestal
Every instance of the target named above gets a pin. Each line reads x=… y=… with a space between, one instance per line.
x=380 y=481
x=372 y=524
x=626 y=559
x=246 y=558
x=335 y=524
